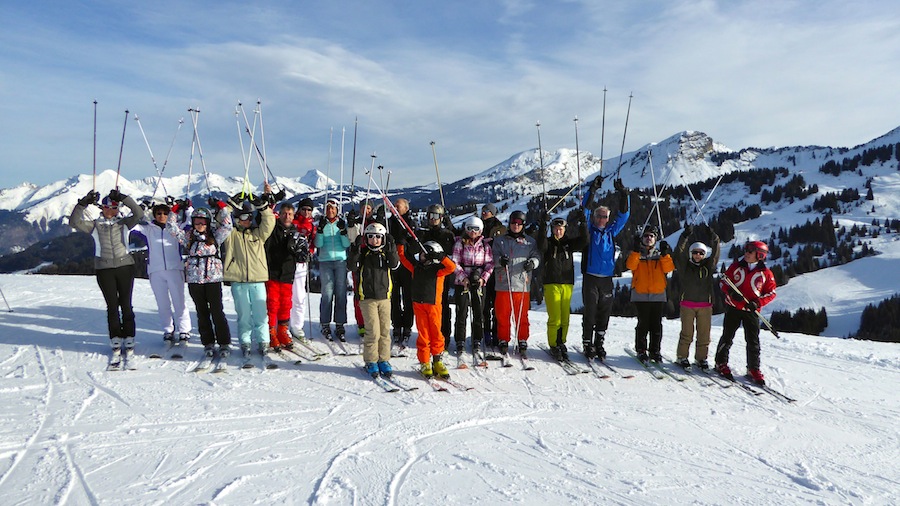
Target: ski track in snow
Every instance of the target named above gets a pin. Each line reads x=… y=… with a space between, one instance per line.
x=322 y=433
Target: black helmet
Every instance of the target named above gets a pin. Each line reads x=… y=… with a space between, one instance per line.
x=517 y=215
x=651 y=229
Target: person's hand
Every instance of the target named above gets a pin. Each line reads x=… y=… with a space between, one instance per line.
x=465 y=283
x=688 y=230
x=664 y=248
x=320 y=228
x=116 y=196
x=170 y=200
x=751 y=306
x=596 y=184
x=504 y=261
x=638 y=244
x=619 y=186
x=352 y=218
x=280 y=195
x=342 y=226
x=215 y=203
x=92 y=197
x=379 y=214
x=529 y=265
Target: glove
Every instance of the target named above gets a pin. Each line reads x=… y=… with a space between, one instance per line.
x=504 y=261
x=751 y=306
x=170 y=200
x=664 y=248
x=92 y=197
x=342 y=226
x=437 y=256
x=352 y=218
x=619 y=186
x=531 y=229
x=448 y=223
x=321 y=226
x=529 y=265
x=280 y=195
x=379 y=214
x=688 y=230
x=638 y=244
x=545 y=217
x=596 y=184
x=215 y=203
x=146 y=204
x=734 y=294
x=116 y=196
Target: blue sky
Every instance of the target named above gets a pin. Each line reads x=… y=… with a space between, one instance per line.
x=473 y=76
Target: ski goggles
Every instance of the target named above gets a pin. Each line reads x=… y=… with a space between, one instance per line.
x=306 y=209
x=473 y=229
x=375 y=236
x=244 y=216
x=698 y=252
x=558 y=222
x=435 y=216
x=516 y=221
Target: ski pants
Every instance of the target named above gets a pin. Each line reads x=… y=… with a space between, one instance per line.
x=649 y=321
x=252 y=318
x=207 y=299
x=559 y=299
x=357 y=310
x=377 y=341
x=489 y=319
x=299 y=291
x=597 y=295
x=401 y=300
x=428 y=322
x=446 y=316
x=278 y=307
x=512 y=315
x=334 y=291
x=168 y=289
x=117 y=285
x=733 y=319
x=702 y=317
x=464 y=300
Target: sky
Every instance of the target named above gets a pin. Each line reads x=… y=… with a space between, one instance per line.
x=474 y=77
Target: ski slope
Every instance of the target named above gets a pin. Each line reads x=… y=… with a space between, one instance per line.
x=322 y=433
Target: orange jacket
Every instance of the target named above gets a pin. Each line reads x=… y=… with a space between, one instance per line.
x=648 y=283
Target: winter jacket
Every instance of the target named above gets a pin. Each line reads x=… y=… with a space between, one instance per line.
x=110 y=235
x=282 y=252
x=203 y=262
x=559 y=264
x=648 y=282
x=307 y=228
x=757 y=284
x=697 y=280
x=331 y=243
x=428 y=279
x=163 y=250
x=599 y=257
x=245 y=251
x=438 y=234
x=514 y=278
x=373 y=268
x=472 y=255
x=493 y=227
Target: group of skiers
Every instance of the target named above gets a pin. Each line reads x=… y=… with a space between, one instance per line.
x=401 y=275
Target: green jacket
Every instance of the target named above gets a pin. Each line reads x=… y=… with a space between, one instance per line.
x=245 y=251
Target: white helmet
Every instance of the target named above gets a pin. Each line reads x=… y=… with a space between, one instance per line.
x=699 y=246
x=375 y=228
x=472 y=223
x=432 y=251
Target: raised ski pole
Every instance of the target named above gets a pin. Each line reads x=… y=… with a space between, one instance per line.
x=196 y=117
x=246 y=188
x=353 y=162
x=657 y=193
x=438 y=173
x=602 y=134
x=624 y=133
x=370 y=173
x=328 y=164
x=541 y=156
x=387 y=184
x=341 y=195
x=94 y=188
x=121 y=149
x=699 y=209
x=395 y=212
x=262 y=138
x=758 y=313
x=558 y=202
x=577 y=157
x=711 y=193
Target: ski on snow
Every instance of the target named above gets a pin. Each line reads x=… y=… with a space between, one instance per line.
x=571 y=368
x=383 y=383
x=651 y=371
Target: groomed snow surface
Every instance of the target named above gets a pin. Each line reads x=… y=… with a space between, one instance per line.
x=322 y=433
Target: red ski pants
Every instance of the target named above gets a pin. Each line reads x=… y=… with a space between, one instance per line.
x=509 y=313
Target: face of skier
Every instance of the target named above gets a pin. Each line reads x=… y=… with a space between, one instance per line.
x=558 y=227
x=649 y=239
x=306 y=212
x=516 y=225
x=331 y=212
x=109 y=211
x=485 y=214
x=473 y=232
x=434 y=219
x=402 y=206
x=600 y=217
x=199 y=224
x=286 y=216
x=374 y=240
x=160 y=215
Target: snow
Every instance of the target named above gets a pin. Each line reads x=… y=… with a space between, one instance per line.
x=321 y=433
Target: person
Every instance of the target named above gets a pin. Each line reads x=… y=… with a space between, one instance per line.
x=696 y=268
x=204 y=272
x=285 y=248
x=373 y=259
x=332 y=244
x=474 y=261
x=755 y=287
x=438 y=231
x=517 y=256
x=356 y=224
x=558 y=259
x=493 y=227
x=649 y=265
x=401 y=295
x=305 y=226
x=598 y=266
x=247 y=271
x=165 y=269
x=428 y=273
x=113 y=264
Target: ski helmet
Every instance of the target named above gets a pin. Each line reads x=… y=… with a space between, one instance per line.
x=651 y=230
x=201 y=213
x=517 y=216
x=376 y=228
x=761 y=249
x=110 y=203
x=432 y=251
x=558 y=222
x=473 y=223
x=699 y=246
x=436 y=209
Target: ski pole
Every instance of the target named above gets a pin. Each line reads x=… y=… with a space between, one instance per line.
x=246 y=189
x=328 y=165
x=262 y=138
x=602 y=135
x=393 y=210
x=353 y=162
x=577 y=156
x=699 y=209
x=341 y=195
x=541 y=155
x=758 y=313
x=121 y=149
x=711 y=193
x=369 y=187
x=9 y=309
x=388 y=183
x=438 y=173
x=653 y=177
x=558 y=202
x=622 y=152
x=95 y=146
x=196 y=120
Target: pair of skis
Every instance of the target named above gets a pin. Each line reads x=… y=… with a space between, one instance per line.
x=122 y=361
x=390 y=384
x=215 y=362
x=174 y=350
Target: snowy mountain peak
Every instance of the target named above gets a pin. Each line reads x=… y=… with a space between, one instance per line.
x=317 y=180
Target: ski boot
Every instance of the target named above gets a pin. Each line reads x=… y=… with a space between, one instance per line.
x=589 y=352
x=245 y=351
x=725 y=371
x=554 y=352
x=326 y=331
x=503 y=348
x=340 y=333
x=643 y=357
x=756 y=376
x=599 y=339
x=273 y=339
x=703 y=365
x=523 y=348
x=209 y=351
x=224 y=352
x=425 y=369
x=439 y=368
x=384 y=367
x=298 y=334
x=684 y=363
x=563 y=352
x=655 y=357
x=183 y=337
x=372 y=369
x=168 y=337
x=115 y=360
x=460 y=348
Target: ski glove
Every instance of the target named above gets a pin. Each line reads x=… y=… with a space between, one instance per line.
x=215 y=203
x=688 y=230
x=596 y=184
x=529 y=265
x=664 y=248
x=352 y=217
x=504 y=261
x=751 y=306
x=321 y=227
x=637 y=243
x=280 y=195
x=342 y=226
x=619 y=186
x=91 y=198
x=116 y=196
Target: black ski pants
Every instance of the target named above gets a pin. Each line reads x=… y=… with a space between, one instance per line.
x=207 y=299
x=649 y=321
x=464 y=300
x=733 y=319
x=489 y=319
x=401 y=301
x=597 y=296
x=117 y=285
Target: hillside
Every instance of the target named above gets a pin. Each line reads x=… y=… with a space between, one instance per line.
x=322 y=433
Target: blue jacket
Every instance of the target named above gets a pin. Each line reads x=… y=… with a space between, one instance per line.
x=599 y=257
x=332 y=244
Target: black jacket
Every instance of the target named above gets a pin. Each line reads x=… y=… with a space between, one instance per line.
x=374 y=279
x=558 y=263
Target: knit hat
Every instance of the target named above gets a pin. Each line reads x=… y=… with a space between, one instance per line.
x=307 y=202
x=491 y=208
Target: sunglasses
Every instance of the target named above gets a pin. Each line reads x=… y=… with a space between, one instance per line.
x=650 y=236
x=602 y=216
x=165 y=213
x=516 y=222
x=698 y=252
x=374 y=236
x=198 y=221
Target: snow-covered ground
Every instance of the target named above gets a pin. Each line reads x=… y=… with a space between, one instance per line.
x=322 y=433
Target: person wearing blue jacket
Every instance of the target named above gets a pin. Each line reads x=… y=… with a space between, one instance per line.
x=598 y=266
x=332 y=243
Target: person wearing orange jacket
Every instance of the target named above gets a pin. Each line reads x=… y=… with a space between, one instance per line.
x=649 y=266
x=428 y=274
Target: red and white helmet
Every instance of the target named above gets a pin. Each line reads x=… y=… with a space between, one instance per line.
x=761 y=249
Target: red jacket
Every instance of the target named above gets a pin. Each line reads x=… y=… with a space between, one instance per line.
x=306 y=227
x=757 y=285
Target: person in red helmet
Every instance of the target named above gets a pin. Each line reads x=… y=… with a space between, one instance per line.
x=755 y=286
